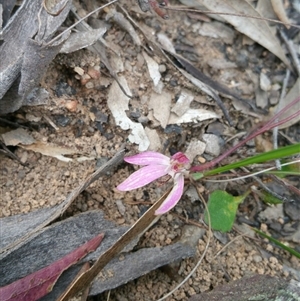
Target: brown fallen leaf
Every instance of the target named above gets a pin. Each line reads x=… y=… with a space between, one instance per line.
x=41 y=282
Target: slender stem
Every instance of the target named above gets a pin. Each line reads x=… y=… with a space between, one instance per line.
x=269 y=125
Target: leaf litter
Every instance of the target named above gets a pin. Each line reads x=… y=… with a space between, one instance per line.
x=135 y=80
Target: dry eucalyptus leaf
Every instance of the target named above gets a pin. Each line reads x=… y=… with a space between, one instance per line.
x=265 y=9
x=183 y=103
x=192 y=115
x=278 y=8
x=217 y=30
x=153 y=68
x=161 y=105
x=15 y=35
x=195 y=148
x=21 y=53
x=155 y=143
x=166 y=43
x=21 y=138
x=82 y=39
x=51 y=150
x=125 y=24
x=118 y=103
x=36 y=60
x=6 y=8
x=257 y=30
x=16 y=137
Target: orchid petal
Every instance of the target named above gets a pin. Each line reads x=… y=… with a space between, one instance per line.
x=148 y=158
x=142 y=177
x=174 y=196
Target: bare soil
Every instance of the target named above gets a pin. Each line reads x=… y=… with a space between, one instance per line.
x=84 y=123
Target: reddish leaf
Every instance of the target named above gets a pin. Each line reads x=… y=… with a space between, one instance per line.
x=41 y=282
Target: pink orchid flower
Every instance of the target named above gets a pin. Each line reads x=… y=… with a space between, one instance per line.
x=157 y=165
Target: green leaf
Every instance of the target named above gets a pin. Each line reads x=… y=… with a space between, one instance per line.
x=222 y=208
x=271 y=155
x=197 y=176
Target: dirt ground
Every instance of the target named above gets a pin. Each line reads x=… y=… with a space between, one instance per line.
x=83 y=122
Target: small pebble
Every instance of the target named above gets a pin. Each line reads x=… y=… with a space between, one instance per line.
x=257 y=258
x=121 y=207
x=89 y=85
x=264 y=81
x=79 y=70
x=162 y=68
x=173 y=82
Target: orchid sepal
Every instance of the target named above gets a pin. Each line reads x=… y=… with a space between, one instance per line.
x=156 y=165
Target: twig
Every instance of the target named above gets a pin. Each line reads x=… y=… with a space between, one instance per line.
x=227 y=245
x=10 y=154
x=51 y=122
x=291 y=47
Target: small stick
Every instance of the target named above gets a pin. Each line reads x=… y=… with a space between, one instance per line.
x=291 y=47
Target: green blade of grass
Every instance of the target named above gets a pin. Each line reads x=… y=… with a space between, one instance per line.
x=271 y=155
x=278 y=243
